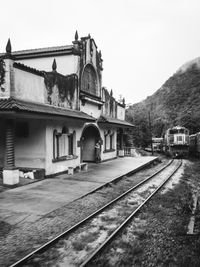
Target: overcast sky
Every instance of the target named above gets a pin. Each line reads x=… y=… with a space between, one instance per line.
x=143 y=42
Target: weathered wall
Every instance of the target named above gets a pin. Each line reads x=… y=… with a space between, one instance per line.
x=90 y=52
x=2 y=142
x=7 y=87
x=61 y=90
x=66 y=64
x=108 y=154
x=90 y=67
x=110 y=106
x=60 y=166
x=54 y=88
x=120 y=112
x=91 y=109
x=29 y=86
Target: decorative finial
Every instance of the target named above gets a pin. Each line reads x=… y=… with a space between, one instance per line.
x=111 y=92
x=76 y=36
x=8 y=47
x=123 y=101
x=54 y=65
x=89 y=36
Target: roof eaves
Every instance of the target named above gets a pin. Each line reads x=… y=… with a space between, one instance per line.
x=44 y=52
x=109 y=120
x=17 y=105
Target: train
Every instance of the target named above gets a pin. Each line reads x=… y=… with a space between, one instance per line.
x=176 y=142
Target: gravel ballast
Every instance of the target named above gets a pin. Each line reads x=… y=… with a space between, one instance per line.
x=158 y=235
x=20 y=239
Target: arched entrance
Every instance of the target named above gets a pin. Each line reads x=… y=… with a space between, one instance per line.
x=89 y=138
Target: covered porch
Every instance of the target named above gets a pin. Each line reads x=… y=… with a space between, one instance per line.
x=120 y=126
x=27 y=138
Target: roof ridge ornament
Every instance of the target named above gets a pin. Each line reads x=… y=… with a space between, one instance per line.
x=76 y=36
x=54 y=65
x=8 y=47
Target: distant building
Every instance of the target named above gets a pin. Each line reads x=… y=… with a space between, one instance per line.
x=53 y=109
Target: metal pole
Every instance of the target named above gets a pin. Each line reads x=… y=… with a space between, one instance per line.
x=150 y=133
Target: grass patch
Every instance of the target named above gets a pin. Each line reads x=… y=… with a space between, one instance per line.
x=107 y=218
x=84 y=240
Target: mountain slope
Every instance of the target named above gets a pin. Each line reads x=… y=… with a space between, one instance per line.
x=177 y=102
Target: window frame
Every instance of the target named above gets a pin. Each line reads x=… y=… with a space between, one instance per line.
x=69 y=143
x=109 y=134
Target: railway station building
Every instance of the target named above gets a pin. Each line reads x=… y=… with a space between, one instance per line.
x=54 y=111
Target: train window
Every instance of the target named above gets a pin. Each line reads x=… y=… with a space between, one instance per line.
x=179 y=138
x=173 y=131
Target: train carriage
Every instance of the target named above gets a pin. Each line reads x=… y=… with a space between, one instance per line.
x=194 y=146
x=176 y=142
x=157 y=144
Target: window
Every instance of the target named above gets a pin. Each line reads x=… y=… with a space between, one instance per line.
x=108 y=140
x=173 y=131
x=89 y=80
x=70 y=144
x=179 y=138
x=111 y=140
x=63 y=144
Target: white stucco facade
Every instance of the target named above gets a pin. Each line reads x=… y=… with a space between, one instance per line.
x=29 y=86
x=66 y=64
x=54 y=111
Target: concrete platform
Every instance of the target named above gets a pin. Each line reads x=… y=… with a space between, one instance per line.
x=30 y=202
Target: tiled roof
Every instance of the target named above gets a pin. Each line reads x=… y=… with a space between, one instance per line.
x=46 y=51
x=42 y=50
x=109 y=120
x=27 y=68
x=17 y=105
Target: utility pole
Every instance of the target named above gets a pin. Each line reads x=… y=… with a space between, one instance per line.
x=150 y=130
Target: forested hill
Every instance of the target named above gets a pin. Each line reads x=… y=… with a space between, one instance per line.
x=177 y=102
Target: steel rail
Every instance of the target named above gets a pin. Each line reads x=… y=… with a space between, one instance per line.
x=74 y=227
x=121 y=227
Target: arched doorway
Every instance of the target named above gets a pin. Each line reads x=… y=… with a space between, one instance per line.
x=89 y=138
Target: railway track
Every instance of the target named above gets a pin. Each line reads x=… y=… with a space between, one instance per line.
x=81 y=243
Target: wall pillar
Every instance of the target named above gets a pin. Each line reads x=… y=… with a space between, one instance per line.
x=121 y=144
x=122 y=140
x=10 y=172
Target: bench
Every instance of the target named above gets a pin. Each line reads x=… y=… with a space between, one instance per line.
x=84 y=166
x=80 y=167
